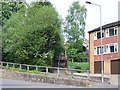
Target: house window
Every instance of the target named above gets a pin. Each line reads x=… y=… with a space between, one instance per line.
x=112 y=48
x=95 y=36
x=106 y=33
x=107 y=48
x=95 y=51
x=112 y=31
x=99 y=35
x=100 y=50
x=115 y=31
x=116 y=47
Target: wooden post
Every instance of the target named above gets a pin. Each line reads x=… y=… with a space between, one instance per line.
x=88 y=75
x=13 y=65
x=7 y=65
x=27 y=67
x=1 y=65
x=46 y=70
x=58 y=72
x=20 y=67
x=36 y=68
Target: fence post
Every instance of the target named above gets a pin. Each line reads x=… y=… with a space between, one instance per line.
x=1 y=65
x=58 y=72
x=36 y=68
x=72 y=73
x=46 y=70
x=13 y=65
x=20 y=67
x=27 y=67
x=7 y=65
x=88 y=75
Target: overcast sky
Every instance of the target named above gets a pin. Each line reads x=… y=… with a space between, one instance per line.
x=109 y=11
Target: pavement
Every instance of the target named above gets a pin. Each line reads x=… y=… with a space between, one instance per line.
x=11 y=83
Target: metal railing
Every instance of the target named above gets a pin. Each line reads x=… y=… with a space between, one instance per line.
x=56 y=71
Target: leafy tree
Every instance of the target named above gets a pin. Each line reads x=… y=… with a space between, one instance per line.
x=33 y=36
x=8 y=8
x=74 y=29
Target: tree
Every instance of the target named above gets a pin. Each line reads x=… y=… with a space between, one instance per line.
x=74 y=28
x=8 y=8
x=33 y=36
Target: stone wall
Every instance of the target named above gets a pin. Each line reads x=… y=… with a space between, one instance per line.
x=43 y=78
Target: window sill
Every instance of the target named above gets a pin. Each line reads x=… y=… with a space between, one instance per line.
x=107 y=53
x=105 y=37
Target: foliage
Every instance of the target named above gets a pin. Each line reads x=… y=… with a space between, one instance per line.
x=32 y=36
x=8 y=8
x=79 y=65
x=74 y=56
x=74 y=28
x=75 y=25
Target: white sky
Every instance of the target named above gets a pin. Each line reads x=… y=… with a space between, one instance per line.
x=109 y=11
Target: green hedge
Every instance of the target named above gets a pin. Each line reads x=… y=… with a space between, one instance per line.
x=79 y=65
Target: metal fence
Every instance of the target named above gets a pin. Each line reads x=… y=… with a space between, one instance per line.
x=56 y=71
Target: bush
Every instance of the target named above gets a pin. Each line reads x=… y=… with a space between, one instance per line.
x=79 y=65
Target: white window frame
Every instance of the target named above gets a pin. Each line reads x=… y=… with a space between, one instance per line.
x=106 y=32
x=95 y=51
x=115 y=45
x=95 y=35
x=115 y=28
x=106 y=49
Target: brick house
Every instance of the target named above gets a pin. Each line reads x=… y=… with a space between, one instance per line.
x=110 y=49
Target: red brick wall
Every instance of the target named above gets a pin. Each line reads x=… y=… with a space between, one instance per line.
x=106 y=57
x=106 y=41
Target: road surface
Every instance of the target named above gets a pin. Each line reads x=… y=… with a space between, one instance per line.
x=11 y=83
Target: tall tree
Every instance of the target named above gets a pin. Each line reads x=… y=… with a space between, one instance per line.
x=33 y=36
x=74 y=30
x=75 y=25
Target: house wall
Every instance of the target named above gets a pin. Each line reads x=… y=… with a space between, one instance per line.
x=111 y=56
x=106 y=57
x=91 y=50
x=119 y=42
x=108 y=40
x=107 y=67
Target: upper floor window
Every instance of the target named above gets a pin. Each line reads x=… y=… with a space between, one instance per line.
x=108 y=48
x=112 y=31
x=97 y=35
x=106 y=33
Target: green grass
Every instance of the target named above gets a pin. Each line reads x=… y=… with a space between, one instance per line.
x=79 y=65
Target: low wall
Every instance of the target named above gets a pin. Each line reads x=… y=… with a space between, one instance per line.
x=43 y=78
